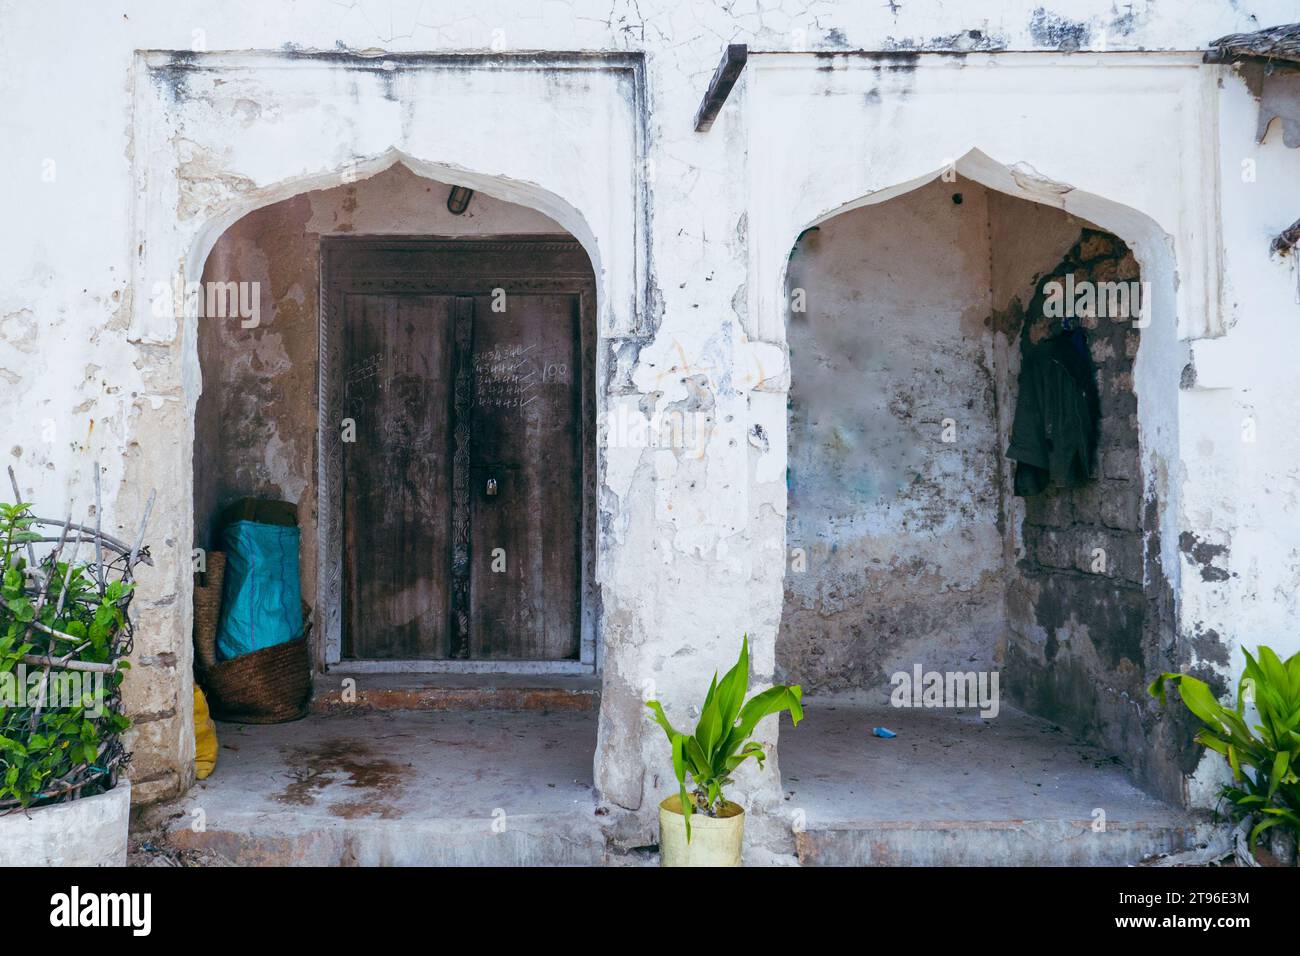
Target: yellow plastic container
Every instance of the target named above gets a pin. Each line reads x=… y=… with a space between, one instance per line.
x=715 y=841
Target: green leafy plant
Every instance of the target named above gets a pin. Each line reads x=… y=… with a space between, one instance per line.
x=64 y=632
x=1264 y=759
x=721 y=741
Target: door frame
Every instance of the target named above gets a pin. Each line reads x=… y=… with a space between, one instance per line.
x=441 y=266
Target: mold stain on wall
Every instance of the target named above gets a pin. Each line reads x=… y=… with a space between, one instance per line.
x=903 y=382
x=893 y=482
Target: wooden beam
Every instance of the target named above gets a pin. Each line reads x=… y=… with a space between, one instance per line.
x=724 y=78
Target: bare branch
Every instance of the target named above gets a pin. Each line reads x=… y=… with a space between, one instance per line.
x=99 y=546
x=18 y=498
x=139 y=538
x=45 y=661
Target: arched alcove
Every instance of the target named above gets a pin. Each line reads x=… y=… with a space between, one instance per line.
x=910 y=314
x=418 y=383
x=265 y=127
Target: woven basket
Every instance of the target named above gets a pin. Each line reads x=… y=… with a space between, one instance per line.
x=270 y=686
x=207 y=609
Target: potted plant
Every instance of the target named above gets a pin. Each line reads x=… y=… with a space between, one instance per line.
x=1265 y=793
x=701 y=827
x=64 y=636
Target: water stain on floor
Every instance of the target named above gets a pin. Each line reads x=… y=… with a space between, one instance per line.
x=349 y=763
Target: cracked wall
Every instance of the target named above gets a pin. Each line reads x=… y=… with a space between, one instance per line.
x=156 y=154
x=910 y=546
x=894 y=493
x=1089 y=609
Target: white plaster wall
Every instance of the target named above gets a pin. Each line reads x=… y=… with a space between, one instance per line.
x=1244 y=494
x=695 y=546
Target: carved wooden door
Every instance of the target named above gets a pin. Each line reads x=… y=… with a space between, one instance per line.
x=461 y=481
x=524 y=483
x=397 y=474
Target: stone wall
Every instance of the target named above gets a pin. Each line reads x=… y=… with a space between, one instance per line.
x=1088 y=614
x=902 y=526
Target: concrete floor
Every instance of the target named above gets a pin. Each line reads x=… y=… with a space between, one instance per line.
x=515 y=787
x=408 y=787
x=955 y=789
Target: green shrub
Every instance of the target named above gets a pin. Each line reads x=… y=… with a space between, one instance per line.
x=1263 y=759
x=63 y=633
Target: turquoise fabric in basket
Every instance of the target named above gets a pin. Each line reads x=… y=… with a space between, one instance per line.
x=262 y=600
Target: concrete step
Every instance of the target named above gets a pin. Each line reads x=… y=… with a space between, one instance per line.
x=492 y=788
x=359 y=693
x=957 y=789
x=565 y=839
x=992 y=843
x=502 y=787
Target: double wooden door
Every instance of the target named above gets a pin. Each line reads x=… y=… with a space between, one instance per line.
x=459 y=368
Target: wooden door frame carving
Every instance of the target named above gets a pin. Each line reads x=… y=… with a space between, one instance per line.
x=454 y=267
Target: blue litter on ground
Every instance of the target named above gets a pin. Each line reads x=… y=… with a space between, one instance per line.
x=883 y=732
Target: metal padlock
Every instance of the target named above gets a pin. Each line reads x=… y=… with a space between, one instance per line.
x=491 y=487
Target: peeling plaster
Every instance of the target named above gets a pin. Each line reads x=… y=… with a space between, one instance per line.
x=661 y=211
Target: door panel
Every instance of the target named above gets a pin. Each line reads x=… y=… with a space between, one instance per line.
x=446 y=394
x=397 y=475
x=525 y=436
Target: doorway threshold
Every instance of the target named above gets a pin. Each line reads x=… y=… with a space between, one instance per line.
x=461 y=667
x=341 y=691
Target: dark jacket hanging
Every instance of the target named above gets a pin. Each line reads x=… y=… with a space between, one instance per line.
x=1054 y=434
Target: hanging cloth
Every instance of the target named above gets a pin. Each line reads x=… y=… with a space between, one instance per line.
x=1054 y=433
